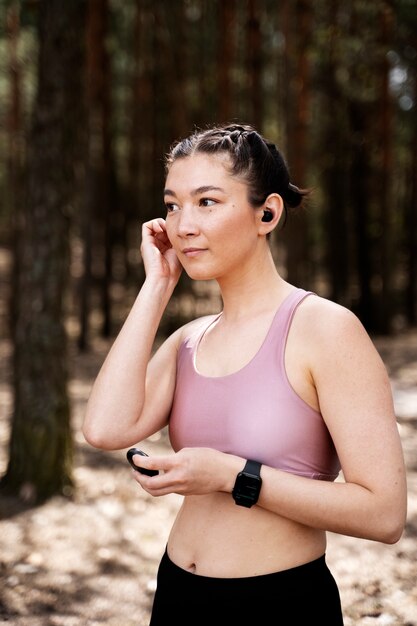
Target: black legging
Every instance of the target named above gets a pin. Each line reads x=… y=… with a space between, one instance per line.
x=299 y=596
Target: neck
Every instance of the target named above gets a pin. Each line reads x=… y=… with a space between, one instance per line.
x=255 y=288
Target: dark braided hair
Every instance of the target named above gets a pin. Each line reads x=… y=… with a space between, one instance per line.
x=252 y=157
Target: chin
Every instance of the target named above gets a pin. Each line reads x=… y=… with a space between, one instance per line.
x=196 y=275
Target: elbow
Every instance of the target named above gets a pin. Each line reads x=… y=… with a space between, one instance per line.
x=96 y=437
x=109 y=436
x=94 y=429
x=93 y=438
x=389 y=538
x=392 y=534
x=390 y=528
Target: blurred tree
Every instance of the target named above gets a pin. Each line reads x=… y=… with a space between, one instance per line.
x=334 y=158
x=41 y=444
x=171 y=41
x=371 y=128
x=359 y=183
x=298 y=28
x=407 y=48
x=384 y=167
x=141 y=148
x=411 y=288
x=226 y=50
x=254 y=64
x=139 y=116
x=100 y=206
x=15 y=149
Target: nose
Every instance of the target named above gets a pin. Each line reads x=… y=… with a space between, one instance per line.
x=187 y=224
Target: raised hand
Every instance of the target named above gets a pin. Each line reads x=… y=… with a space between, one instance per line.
x=159 y=258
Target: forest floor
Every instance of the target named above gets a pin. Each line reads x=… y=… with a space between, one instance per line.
x=91 y=559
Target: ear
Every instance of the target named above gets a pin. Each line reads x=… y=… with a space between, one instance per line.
x=274 y=206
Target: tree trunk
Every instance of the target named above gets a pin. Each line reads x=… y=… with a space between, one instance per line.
x=41 y=443
x=359 y=184
x=225 y=58
x=137 y=163
x=100 y=191
x=15 y=153
x=387 y=254
x=411 y=226
x=335 y=166
x=296 y=234
x=171 y=45
x=254 y=71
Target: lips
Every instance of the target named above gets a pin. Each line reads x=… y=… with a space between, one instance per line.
x=190 y=252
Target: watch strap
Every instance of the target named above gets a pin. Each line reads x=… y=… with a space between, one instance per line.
x=252 y=467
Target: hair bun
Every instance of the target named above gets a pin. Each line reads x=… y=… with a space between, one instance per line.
x=293 y=196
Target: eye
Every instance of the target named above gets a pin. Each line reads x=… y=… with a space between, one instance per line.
x=207 y=202
x=171 y=207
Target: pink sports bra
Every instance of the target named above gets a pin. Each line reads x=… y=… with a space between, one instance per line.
x=254 y=412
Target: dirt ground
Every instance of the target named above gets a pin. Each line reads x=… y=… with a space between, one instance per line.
x=92 y=559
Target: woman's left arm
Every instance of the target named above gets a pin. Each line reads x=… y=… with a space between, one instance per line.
x=356 y=402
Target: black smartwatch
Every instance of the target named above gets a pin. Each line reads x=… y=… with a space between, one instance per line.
x=248 y=484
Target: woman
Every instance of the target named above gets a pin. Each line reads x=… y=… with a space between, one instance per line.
x=265 y=402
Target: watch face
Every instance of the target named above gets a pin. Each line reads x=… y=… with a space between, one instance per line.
x=251 y=483
x=247 y=488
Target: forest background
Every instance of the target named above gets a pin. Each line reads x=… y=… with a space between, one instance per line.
x=93 y=93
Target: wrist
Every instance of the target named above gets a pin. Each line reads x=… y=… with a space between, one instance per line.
x=158 y=288
x=234 y=465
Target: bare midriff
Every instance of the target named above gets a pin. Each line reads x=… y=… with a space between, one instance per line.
x=212 y=536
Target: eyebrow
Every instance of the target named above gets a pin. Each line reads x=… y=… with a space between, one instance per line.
x=195 y=192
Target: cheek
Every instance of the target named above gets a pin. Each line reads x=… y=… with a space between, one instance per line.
x=170 y=232
x=237 y=229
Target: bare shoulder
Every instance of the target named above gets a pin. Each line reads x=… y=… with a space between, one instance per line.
x=324 y=318
x=332 y=331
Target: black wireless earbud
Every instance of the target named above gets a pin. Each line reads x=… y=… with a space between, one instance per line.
x=267 y=216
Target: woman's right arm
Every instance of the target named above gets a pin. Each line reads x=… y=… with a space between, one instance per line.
x=132 y=394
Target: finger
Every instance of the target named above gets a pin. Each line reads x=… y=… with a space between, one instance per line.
x=154 y=226
x=160 y=486
x=155 y=485
x=143 y=480
x=163 y=463
x=163 y=240
x=156 y=235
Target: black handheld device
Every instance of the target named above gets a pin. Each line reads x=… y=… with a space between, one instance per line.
x=130 y=453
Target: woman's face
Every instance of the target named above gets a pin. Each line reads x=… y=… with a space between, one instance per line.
x=210 y=223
